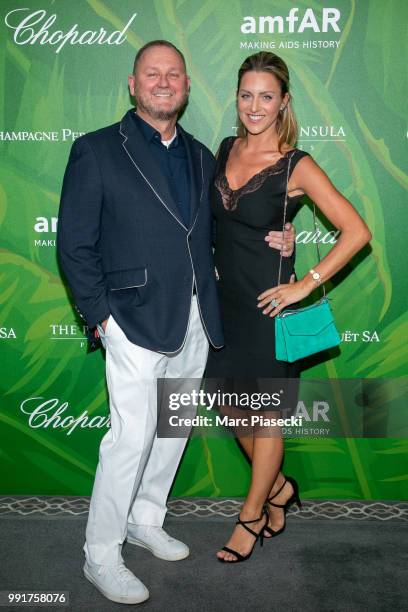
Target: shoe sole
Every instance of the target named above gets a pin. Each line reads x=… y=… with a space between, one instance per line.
x=129 y=600
x=179 y=557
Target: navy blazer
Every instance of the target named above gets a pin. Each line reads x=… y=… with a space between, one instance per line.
x=122 y=244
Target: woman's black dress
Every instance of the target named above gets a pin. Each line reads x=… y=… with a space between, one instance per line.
x=247 y=266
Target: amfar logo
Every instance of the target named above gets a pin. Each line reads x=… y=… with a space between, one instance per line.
x=276 y=23
x=45 y=226
x=35 y=27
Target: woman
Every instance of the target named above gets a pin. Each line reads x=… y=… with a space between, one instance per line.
x=248 y=198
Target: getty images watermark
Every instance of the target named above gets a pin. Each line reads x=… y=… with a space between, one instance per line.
x=253 y=401
x=286 y=407
x=220 y=400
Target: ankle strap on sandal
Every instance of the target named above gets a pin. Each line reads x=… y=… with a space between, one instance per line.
x=245 y=523
x=269 y=499
x=278 y=491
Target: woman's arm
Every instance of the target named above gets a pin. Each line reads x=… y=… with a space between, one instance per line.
x=310 y=178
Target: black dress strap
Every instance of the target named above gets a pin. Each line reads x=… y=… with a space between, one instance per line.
x=296 y=155
x=224 y=148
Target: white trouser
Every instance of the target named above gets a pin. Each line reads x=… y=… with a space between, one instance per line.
x=136 y=468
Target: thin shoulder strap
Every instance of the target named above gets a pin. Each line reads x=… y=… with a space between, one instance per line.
x=284 y=223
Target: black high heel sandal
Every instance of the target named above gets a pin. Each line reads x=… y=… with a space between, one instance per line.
x=257 y=536
x=293 y=499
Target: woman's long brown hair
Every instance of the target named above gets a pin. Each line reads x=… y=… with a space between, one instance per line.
x=286 y=124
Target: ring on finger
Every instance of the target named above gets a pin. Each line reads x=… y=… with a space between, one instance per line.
x=274 y=303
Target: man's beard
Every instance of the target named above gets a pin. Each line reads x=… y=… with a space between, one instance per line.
x=144 y=103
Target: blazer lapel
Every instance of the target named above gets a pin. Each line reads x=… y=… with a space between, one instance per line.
x=139 y=154
x=195 y=171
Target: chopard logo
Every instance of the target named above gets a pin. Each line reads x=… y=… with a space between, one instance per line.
x=44 y=414
x=304 y=237
x=36 y=28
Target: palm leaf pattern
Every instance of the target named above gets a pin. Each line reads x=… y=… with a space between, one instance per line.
x=84 y=88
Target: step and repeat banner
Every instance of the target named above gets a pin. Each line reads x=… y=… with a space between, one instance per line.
x=64 y=67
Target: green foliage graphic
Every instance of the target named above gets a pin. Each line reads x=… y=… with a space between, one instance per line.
x=350 y=99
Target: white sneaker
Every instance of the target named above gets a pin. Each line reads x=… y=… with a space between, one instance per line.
x=157 y=541
x=116 y=582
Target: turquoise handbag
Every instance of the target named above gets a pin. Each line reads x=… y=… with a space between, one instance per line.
x=304 y=331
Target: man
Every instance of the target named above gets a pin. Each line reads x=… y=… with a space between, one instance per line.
x=134 y=241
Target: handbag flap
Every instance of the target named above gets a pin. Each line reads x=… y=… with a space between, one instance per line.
x=309 y=321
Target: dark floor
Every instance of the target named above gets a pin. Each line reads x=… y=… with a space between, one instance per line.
x=316 y=565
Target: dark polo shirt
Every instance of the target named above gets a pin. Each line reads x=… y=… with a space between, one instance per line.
x=173 y=163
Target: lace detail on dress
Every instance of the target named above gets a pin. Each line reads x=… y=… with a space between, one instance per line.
x=230 y=197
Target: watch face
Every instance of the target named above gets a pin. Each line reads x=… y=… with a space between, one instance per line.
x=316 y=276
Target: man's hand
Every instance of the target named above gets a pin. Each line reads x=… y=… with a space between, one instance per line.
x=274 y=240
x=103 y=324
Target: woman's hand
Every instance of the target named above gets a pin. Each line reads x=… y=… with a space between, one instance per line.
x=284 y=295
x=274 y=240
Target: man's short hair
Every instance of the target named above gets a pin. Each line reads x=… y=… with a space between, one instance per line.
x=157 y=43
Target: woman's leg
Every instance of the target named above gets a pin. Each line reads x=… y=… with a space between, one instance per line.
x=248 y=438
x=276 y=515
x=267 y=455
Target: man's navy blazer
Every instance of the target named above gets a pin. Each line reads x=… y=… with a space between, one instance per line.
x=123 y=246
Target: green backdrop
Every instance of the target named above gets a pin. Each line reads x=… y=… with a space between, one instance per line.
x=348 y=66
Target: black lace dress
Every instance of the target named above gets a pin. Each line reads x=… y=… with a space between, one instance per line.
x=247 y=266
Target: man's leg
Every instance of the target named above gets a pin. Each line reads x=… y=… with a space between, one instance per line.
x=131 y=373
x=149 y=507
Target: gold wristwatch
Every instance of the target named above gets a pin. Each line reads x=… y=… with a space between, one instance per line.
x=316 y=276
